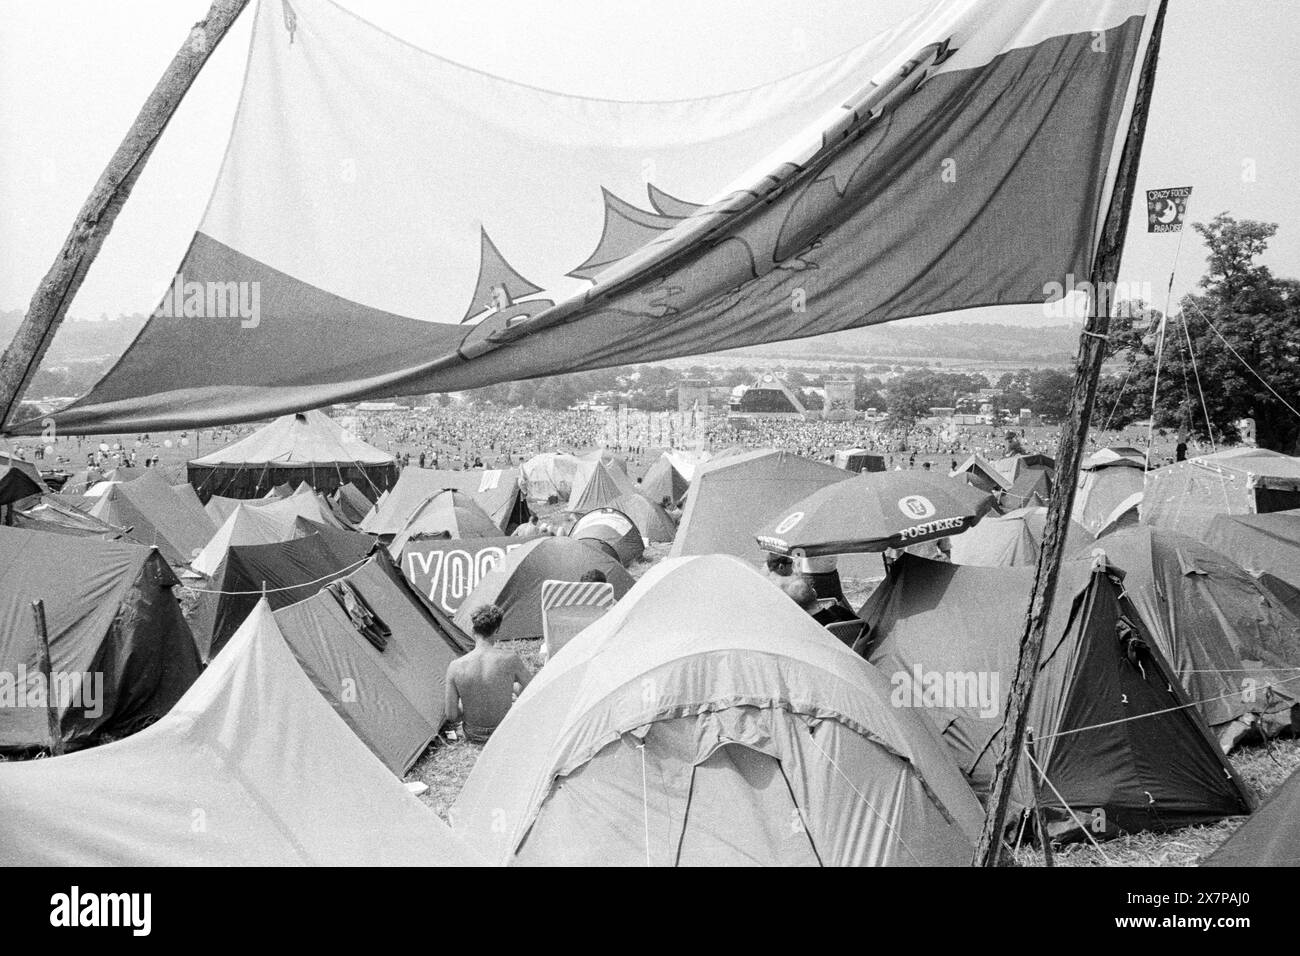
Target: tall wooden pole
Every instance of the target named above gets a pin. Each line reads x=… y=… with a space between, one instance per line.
x=47 y=674
x=1074 y=435
x=95 y=220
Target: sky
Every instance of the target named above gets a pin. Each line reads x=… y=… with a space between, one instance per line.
x=73 y=73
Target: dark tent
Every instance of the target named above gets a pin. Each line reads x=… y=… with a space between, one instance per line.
x=59 y=514
x=377 y=655
x=15 y=485
x=348 y=547
x=1033 y=487
x=350 y=503
x=515 y=585
x=120 y=652
x=1269 y=838
x=1235 y=648
x=1115 y=737
x=1260 y=543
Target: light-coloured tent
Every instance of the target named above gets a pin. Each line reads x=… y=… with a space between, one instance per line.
x=157 y=517
x=448 y=514
x=1102 y=489
x=651 y=520
x=980 y=474
x=597 y=486
x=495 y=490
x=613 y=528
x=1186 y=496
x=706 y=719
x=663 y=480
x=307 y=446
x=1010 y=540
x=551 y=473
x=250 y=768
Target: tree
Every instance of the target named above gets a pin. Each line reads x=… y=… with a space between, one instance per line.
x=1049 y=391
x=1258 y=317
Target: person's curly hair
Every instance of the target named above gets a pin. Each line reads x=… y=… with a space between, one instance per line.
x=486 y=619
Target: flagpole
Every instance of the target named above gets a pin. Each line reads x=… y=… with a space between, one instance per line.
x=54 y=295
x=1074 y=433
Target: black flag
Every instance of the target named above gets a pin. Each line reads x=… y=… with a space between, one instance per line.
x=1166 y=207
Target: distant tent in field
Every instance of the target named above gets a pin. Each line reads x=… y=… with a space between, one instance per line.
x=978 y=473
x=157 y=517
x=1031 y=489
x=614 y=528
x=551 y=473
x=1013 y=466
x=606 y=457
x=1271 y=837
x=115 y=631
x=496 y=491
x=858 y=460
x=663 y=480
x=1186 y=496
x=376 y=654
x=307 y=446
x=764 y=741
x=651 y=520
x=597 y=486
x=448 y=514
x=732 y=496
x=1114 y=728
x=1235 y=648
x=280 y=780
x=515 y=585
x=1010 y=540
x=1102 y=489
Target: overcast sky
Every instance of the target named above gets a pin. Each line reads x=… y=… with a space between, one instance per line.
x=73 y=74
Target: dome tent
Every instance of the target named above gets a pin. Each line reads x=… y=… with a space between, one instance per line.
x=448 y=514
x=307 y=446
x=515 y=585
x=650 y=518
x=749 y=700
x=615 y=529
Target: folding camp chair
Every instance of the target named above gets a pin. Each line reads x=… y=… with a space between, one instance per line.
x=568 y=607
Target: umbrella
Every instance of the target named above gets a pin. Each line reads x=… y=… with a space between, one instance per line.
x=874 y=512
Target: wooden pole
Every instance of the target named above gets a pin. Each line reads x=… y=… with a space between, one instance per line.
x=1074 y=435
x=47 y=674
x=1039 y=816
x=95 y=220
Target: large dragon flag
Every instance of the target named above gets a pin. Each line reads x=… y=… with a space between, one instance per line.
x=387 y=222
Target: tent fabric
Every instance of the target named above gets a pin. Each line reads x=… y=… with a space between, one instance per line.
x=732 y=497
x=393 y=696
x=446 y=570
x=157 y=517
x=551 y=473
x=515 y=585
x=26 y=467
x=352 y=503
x=287 y=571
x=448 y=514
x=1103 y=489
x=615 y=529
x=1235 y=648
x=348 y=547
x=111 y=617
x=1267 y=543
x=651 y=520
x=1011 y=540
x=1109 y=716
x=16 y=484
x=597 y=485
x=822 y=181
x=58 y=514
x=1186 y=496
x=496 y=491
x=1271 y=837
x=977 y=472
x=303 y=447
x=244 y=526
x=1032 y=488
x=250 y=768
x=692 y=723
x=662 y=480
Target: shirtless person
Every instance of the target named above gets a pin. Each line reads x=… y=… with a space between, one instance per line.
x=481 y=685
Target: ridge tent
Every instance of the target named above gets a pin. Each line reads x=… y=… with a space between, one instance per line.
x=1114 y=734
x=377 y=656
x=1032 y=489
x=16 y=484
x=1271 y=837
x=281 y=780
x=303 y=447
x=157 y=517
x=1234 y=647
x=614 y=528
x=858 y=460
x=606 y=457
x=1102 y=489
x=1267 y=544
x=348 y=547
x=244 y=526
x=26 y=467
x=115 y=632
x=187 y=494
x=663 y=480
x=551 y=473
x=448 y=514
x=515 y=585
x=352 y=503
x=496 y=491
x=1014 y=466
x=978 y=473
x=732 y=496
x=1115 y=456
x=1010 y=540
x=1187 y=495
x=60 y=514
x=596 y=486
x=764 y=741
x=284 y=573
x=652 y=522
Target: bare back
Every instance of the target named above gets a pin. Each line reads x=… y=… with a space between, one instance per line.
x=484 y=680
